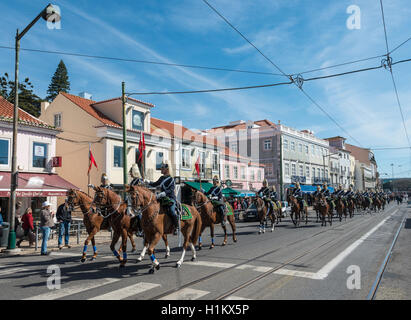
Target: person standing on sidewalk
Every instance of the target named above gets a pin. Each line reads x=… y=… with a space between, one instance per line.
x=28 y=227
x=64 y=218
x=45 y=225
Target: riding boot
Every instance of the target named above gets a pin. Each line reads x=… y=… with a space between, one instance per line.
x=175 y=223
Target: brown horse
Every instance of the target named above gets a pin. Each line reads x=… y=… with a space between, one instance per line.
x=91 y=220
x=297 y=211
x=210 y=217
x=262 y=210
x=114 y=209
x=351 y=206
x=324 y=210
x=156 y=223
x=340 y=208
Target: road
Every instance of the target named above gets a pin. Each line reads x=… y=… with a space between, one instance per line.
x=310 y=262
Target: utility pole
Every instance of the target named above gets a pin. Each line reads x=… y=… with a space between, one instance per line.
x=123 y=99
x=281 y=169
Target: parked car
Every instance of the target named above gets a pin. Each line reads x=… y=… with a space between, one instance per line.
x=250 y=214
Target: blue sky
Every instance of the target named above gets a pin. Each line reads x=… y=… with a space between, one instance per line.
x=298 y=35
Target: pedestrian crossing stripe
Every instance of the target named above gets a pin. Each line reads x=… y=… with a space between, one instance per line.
x=126 y=292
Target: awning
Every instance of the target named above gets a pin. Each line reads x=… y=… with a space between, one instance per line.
x=35 y=185
x=310 y=189
x=230 y=192
x=196 y=185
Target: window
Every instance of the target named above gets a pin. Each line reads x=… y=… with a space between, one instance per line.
x=322 y=173
x=242 y=173
x=300 y=147
x=57 y=120
x=318 y=173
x=4 y=151
x=269 y=169
x=293 y=169
x=313 y=149
x=137 y=120
x=235 y=171
x=202 y=161
x=118 y=157
x=39 y=155
x=267 y=144
x=234 y=147
x=313 y=172
x=287 y=169
x=259 y=175
x=292 y=145
x=307 y=171
x=227 y=171
x=306 y=149
x=285 y=143
x=159 y=160
x=301 y=170
x=215 y=162
x=252 y=176
x=185 y=158
x=326 y=173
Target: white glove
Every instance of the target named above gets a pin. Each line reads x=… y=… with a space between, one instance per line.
x=161 y=195
x=90 y=186
x=214 y=198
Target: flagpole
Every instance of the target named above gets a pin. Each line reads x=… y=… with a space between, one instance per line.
x=88 y=172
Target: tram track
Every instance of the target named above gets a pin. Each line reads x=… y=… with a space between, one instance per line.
x=282 y=265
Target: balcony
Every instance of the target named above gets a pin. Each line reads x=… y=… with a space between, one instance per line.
x=301 y=179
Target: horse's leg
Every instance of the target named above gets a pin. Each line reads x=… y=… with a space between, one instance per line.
x=90 y=236
x=231 y=220
x=187 y=232
x=93 y=242
x=153 y=243
x=124 y=236
x=193 y=248
x=306 y=215
x=200 y=243
x=143 y=252
x=225 y=235
x=272 y=222
x=167 y=247
x=131 y=237
x=212 y=235
x=116 y=236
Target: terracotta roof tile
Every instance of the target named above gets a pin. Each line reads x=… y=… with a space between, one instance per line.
x=86 y=105
x=7 y=114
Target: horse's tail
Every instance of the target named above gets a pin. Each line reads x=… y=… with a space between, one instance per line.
x=197 y=227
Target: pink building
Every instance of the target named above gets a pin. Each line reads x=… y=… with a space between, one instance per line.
x=244 y=174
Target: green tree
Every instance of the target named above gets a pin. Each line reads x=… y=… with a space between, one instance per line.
x=28 y=101
x=59 y=82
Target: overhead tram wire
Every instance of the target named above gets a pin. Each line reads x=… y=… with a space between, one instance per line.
x=389 y=62
x=279 y=69
x=143 y=61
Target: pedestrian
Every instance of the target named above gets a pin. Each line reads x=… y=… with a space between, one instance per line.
x=28 y=227
x=45 y=225
x=1 y=222
x=64 y=219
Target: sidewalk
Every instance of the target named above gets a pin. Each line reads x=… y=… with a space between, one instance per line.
x=102 y=237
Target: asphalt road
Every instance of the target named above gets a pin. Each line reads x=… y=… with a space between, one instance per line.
x=311 y=262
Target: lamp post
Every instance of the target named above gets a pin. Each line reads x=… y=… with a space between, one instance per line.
x=47 y=13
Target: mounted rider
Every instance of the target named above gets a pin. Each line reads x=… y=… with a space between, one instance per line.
x=298 y=194
x=326 y=193
x=274 y=197
x=135 y=174
x=167 y=195
x=105 y=182
x=265 y=194
x=215 y=194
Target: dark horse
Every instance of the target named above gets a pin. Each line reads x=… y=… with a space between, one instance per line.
x=324 y=210
x=210 y=217
x=262 y=210
x=296 y=211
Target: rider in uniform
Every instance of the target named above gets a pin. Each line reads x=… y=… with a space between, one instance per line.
x=105 y=183
x=274 y=197
x=167 y=195
x=298 y=194
x=326 y=192
x=264 y=193
x=135 y=174
x=216 y=195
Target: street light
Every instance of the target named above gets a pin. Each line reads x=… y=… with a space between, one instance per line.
x=48 y=13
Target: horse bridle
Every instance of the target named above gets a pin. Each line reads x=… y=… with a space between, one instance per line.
x=73 y=207
x=98 y=204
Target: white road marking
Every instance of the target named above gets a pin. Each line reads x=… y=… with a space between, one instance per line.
x=126 y=292
x=224 y=265
x=186 y=294
x=330 y=266
x=12 y=270
x=60 y=293
x=68 y=254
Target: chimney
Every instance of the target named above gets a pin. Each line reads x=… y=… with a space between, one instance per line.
x=43 y=107
x=85 y=95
